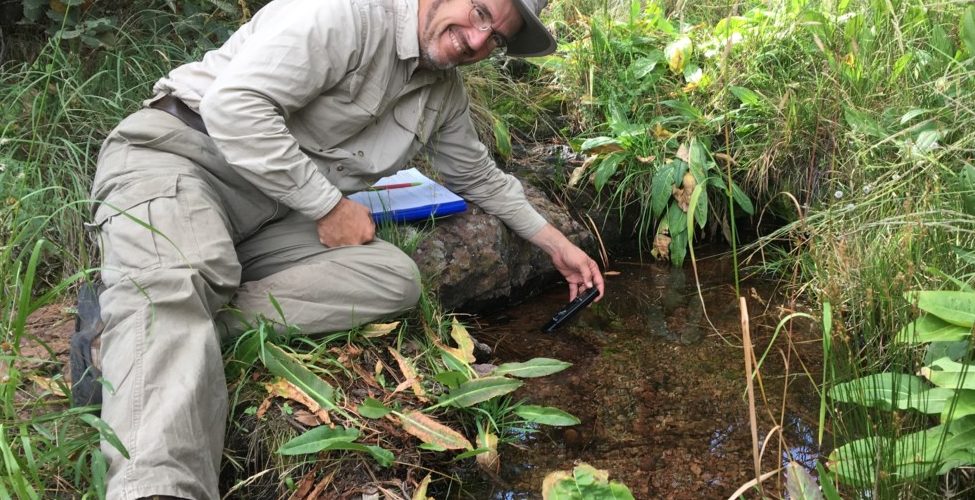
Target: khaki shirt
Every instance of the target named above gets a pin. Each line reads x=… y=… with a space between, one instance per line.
x=315 y=98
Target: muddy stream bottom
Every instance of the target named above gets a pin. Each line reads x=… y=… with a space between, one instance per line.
x=659 y=390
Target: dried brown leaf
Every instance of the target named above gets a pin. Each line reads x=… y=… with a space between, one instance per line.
x=488 y=460
x=683 y=194
x=465 y=343
x=306 y=418
x=661 y=246
x=409 y=375
x=283 y=388
x=262 y=409
x=421 y=489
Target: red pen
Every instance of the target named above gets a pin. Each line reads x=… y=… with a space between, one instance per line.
x=401 y=185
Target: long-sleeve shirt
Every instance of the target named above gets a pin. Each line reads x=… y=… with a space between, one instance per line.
x=312 y=99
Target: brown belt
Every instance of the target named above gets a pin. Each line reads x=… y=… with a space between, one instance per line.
x=179 y=109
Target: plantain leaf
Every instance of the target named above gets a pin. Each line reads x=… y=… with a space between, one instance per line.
x=890 y=391
x=966 y=30
x=799 y=484
x=947 y=373
x=287 y=367
x=546 y=415
x=502 y=138
x=661 y=189
x=373 y=408
x=930 y=328
x=678 y=53
x=742 y=199
x=318 y=439
x=607 y=167
x=957 y=308
x=966 y=187
x=747 y=97
x=478 y=390
x=430 y=431
x=962 y=406
x=537 y=367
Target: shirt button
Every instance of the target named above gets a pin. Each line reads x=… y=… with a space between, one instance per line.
x=340 y=168
x=359 y=154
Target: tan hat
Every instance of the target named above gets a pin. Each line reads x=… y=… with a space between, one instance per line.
x=533 y=39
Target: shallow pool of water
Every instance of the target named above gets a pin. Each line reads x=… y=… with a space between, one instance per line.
x=658 y=383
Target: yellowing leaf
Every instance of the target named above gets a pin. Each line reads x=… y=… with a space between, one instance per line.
x=285 y=389
x=429 y=430
x=678 y=53
x=463 y=339
x=409 y=375
x=488 y=460
x=421 y=489
x=660 y=133
x=379 y=329
x=683 y=194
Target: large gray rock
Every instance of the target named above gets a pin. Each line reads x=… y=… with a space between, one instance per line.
x=473 y=259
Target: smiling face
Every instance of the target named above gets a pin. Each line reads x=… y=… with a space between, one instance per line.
x=448 y=37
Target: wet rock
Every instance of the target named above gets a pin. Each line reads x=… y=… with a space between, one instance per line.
x=473 y=259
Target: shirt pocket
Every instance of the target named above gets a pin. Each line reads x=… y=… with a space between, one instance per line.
x=418 y=118
x=347 y=170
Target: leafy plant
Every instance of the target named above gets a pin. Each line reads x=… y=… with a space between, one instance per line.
x=583 y=482
x=943 y=389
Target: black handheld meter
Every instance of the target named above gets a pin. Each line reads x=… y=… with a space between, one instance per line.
x=581 y=301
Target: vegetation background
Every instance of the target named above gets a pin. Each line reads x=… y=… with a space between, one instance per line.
x=830 y=143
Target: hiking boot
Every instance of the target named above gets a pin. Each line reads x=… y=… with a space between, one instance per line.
x=85 y=371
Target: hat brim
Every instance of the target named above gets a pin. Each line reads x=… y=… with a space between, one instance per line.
x=533 y=40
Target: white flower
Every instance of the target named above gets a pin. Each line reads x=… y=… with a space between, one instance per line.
x=849 y=206
x=896 y=177
x=838 y=195
x=867 y=189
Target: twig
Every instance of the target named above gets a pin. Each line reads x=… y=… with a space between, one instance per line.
x=754 y=482
x=752 y=417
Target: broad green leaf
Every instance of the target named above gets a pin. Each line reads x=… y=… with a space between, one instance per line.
x=966 y=188
x=105 y=432
x=930 y=328
x=962 y=406
x=677 y=220
x=645 y=65
x=285 y=366
x=318 y=439
x=601 y=145
x=429 y=430
x=698 y=156
x=966 y=30
x=910 y=115
x=964 y=253
x=926 y=141
x=678 y=246
x=373 y=408
x=383 y=456
x=451 y=378
x=863 y=123
x=537 y=367
x=693 y=73
x=799 y=484
x=463 y=339
x=478 y=390
x=953 y=350
x=881 y=390
x=502 y=138
x=950 y=374
x=678 y=53
x=957 y=308
x=742 y=199
x=684 y=108
x=914 y=455
x=546 y=415
x=662 y=189
x=698 y=210
x=747 y=97
x=607 y=167
x=583 y=482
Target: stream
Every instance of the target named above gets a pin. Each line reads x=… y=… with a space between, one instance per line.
x=661 y=393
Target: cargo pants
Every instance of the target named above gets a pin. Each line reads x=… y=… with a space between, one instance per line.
x=181 y=236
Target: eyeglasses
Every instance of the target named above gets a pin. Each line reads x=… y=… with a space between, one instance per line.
x=481 y=19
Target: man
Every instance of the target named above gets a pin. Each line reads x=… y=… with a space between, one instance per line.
x=229 y=187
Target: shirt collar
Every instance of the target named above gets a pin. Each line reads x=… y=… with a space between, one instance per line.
x=408 y=21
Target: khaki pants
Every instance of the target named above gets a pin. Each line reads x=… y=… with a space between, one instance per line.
x=181 y=236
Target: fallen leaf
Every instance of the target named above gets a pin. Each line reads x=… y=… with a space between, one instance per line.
x=683 y=153
x=379 y=329
x=409 y=375
x=306 y=418
x=577 y=174
x=46 y=384
x=262 y=409
x=660 y=133
x=378 y=369
x=646 y=159
x=727 y=158
x=283 y=388
x=421 y=489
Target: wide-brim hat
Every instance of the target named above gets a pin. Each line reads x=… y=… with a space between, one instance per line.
x=533 y=39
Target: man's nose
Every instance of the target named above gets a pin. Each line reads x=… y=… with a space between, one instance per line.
x=480 y=39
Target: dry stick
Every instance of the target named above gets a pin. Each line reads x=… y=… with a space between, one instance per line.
x=754 y=482
x=746 y=339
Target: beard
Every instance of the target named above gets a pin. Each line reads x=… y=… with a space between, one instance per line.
x=431 y=57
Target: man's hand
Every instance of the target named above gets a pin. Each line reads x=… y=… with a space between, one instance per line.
x=579 y=270
x=348 y=223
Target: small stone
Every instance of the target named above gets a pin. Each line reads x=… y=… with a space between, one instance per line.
x=696 y=469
